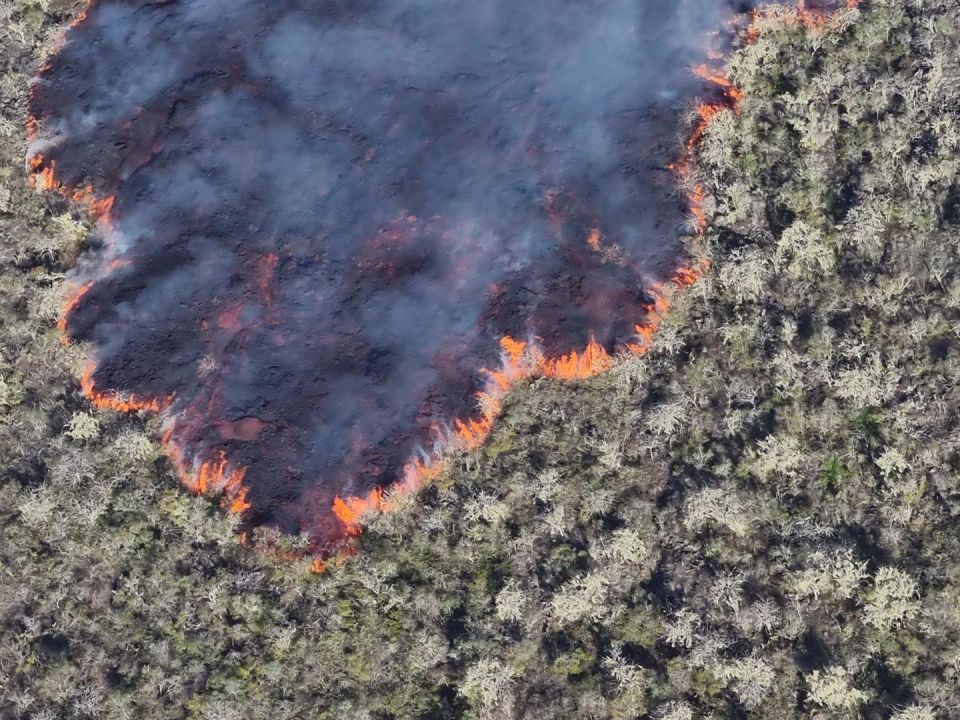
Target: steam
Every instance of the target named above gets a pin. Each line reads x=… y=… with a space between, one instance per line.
x=325 y=216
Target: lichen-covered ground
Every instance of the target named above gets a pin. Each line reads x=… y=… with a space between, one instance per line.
x=756 y=520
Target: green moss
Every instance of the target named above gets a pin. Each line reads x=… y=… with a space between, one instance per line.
x=573 y=663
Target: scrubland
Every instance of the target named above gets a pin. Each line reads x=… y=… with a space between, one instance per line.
x=757 y=519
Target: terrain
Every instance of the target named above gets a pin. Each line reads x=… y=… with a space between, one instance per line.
x=317 y=222
x=755 y=519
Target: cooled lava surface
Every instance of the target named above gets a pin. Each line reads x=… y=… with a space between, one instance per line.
x=319 y=219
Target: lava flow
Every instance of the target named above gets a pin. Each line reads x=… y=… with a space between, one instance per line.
x=318 y=226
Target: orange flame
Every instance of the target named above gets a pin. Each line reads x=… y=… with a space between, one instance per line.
x=520 y=360
x=594 y=359
x=719 y=78
x=351 y=510
x=708 y=111
x=217 y=475
x=578 y=366
x=594 y=238
x=117 y=401
x=518 y=363
x=43 y=177
x=72 y=297
x=210 y=476
x=815 y=19
x=240 y=504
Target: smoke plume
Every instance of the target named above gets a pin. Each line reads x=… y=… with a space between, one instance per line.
x=319 y=219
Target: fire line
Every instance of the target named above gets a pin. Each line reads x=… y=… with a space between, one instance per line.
x=211 y=471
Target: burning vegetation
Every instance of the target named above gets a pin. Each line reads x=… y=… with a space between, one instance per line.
x=317 y=230
x=752 y=515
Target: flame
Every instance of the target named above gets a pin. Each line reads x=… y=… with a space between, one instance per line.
x=117 y=401
x=240 y=504
x=351 y=510
x=72 y=296
x=708 y=111
x=418 y=473
x=74 y=293
x=719 y=78
x=520 y=360
x=42 y=177
x=594 y=238
x=61 y=38
x=593 y=360
x=815 y=19
x=207 y=476
x=217 y=475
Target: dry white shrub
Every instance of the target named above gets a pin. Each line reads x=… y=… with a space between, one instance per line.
x=915 y=712
x=134 y=448
x=893 y=600
x=832 y=688
x=763 y=616
x=546 y=486
x=38 y=508
x=598 y=502
x=892 y=463
x=485 y=508
x=555 y=522
x=626 y=546
x=719 y=505
x=872 y=383
x=82 y=427
x=804 y=250
x=750 y=678
x=666 y=419
x=778 y=456
x=676 y=711
x=744 y=278
x=511 y=603
x=728 y=591
x=582 y=599
x=682 y=631
x=488 y=686
x=628 y=677
x=837 y=576
x=48 y=302
x=11 y=392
